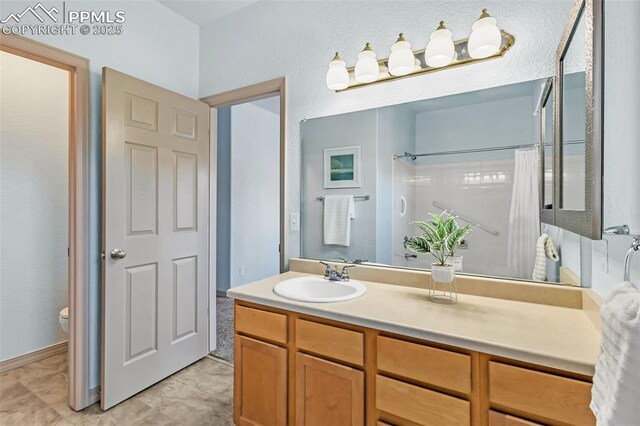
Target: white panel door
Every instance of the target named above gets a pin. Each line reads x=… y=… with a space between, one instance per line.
x=155 y=234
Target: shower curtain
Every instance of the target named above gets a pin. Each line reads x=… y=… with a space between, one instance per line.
x=524 y=217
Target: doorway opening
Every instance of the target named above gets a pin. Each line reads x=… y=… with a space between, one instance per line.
x=43 y=215
x=247 y=144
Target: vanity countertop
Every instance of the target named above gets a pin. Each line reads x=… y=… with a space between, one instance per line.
x=552 y=336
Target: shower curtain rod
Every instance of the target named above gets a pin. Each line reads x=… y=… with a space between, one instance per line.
x=470 y=151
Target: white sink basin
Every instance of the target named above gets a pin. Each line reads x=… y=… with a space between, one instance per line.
x=319 y=290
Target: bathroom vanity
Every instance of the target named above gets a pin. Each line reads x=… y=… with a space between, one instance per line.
x=391 y=357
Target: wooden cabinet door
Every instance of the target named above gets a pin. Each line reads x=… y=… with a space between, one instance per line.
x=328 y=394
x=260 y=383
x=501 y=419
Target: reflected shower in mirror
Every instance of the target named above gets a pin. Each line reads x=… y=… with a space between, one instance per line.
x=475 y=154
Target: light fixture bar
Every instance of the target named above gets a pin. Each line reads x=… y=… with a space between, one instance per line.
x=461 y=58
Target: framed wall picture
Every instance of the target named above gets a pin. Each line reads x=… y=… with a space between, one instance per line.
x=342 y=167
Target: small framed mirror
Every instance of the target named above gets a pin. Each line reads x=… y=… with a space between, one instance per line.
x=546 y=146
x=578 y=111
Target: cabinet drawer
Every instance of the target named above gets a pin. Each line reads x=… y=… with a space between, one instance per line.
x=419 y=405
x=540 y=395
x=259 y=323
x=501 y=419
x=438 y=367
x=333 y=342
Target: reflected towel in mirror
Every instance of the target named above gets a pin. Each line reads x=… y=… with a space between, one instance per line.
x=545 y=249
x=338 y=212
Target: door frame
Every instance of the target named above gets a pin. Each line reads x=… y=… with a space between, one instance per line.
x=277 y=86
x=254 y=92
x=80 y=395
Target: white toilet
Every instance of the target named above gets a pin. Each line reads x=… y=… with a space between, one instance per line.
x=64 y=319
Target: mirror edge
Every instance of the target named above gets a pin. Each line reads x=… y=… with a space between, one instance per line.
x=587 y=223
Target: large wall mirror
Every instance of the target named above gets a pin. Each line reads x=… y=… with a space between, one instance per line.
x=474 y=153
x=579 y=126
x=510 y=161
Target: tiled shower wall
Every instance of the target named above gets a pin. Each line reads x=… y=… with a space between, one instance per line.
x=480 y=190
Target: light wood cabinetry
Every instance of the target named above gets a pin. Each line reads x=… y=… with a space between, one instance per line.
x=419 y=405
x=333 y=342
x=328 y=393
x=266 y=325
x=501 y=419
x=547 y=397
x=449 y=370
x=300 y=370
x=260 y=383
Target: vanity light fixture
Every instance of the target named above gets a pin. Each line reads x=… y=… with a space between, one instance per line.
x=402 y=60
x=337 y=75
x=486 y=42
x=367 y=68
x=485 y=39
x=440 y=51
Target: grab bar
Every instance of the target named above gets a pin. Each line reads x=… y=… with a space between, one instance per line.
x=467 y=219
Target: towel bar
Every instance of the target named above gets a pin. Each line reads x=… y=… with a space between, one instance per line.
x=355 y=197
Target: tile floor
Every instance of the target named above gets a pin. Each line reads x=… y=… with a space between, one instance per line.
x=200 y=394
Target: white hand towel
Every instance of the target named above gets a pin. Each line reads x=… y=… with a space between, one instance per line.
x=615 y=397
x=338 y=212
x=544 y=249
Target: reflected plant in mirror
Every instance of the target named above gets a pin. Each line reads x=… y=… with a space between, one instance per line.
x=437 y=155
x=440 y=237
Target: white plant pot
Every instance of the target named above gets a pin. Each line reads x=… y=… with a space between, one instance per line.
x=456 y=261
x=443 y=274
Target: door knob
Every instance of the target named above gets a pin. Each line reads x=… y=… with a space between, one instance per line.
x=117 y=253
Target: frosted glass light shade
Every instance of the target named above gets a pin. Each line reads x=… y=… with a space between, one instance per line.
x=402 y=60
x=337 y=75
x=367 y=69
x=485 y=39
x=440 y=51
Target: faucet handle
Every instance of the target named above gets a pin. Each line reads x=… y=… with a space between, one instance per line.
x=345 y=272
x=327 y=270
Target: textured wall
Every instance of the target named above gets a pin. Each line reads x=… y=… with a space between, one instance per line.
x=298 y=39
x=34 y=143
x=621 y=144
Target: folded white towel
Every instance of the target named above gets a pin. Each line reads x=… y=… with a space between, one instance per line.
x=545 y=249
x=338 y=212
x=615 y=397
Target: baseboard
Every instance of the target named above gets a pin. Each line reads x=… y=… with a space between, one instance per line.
x=221 y=293
x=28 y=358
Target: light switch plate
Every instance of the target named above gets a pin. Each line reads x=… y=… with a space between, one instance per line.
x=294 y=221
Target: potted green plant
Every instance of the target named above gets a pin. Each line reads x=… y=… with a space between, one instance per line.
x=440 y=237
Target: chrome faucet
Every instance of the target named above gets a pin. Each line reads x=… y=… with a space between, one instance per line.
x=333 y=274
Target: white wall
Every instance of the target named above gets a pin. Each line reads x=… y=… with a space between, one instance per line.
x=621 y=144
x=34 y=147
x=298 y=39
x=158 y=46
x=255 y=191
